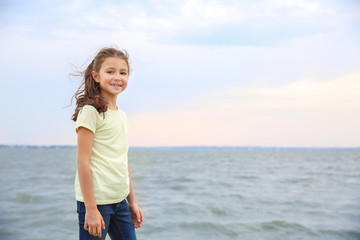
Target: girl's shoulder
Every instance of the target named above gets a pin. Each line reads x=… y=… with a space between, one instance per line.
x=122 y=113
x=88 y=110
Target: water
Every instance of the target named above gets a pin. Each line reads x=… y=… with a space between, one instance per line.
x=194 y=193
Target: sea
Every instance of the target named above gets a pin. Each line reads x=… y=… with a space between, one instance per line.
x=247 y=193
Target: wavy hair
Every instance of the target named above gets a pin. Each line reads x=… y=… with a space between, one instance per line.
x=89 y=92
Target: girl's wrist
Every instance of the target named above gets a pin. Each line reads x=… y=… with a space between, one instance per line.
x=91 y=207
x=132 y=202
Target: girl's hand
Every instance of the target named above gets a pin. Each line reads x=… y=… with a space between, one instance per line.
x=94 y=222
x=136 y=215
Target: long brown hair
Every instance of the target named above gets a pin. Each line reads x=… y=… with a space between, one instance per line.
x=89 y=92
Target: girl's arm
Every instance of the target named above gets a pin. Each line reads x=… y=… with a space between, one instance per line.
x=93 y=219
x=136 y=213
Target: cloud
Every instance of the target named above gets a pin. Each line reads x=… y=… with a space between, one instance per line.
x=188 y=22
x=299 y=7
x=307 y=112
x=199 y=22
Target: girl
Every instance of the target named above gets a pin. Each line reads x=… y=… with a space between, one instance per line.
x=106 y=201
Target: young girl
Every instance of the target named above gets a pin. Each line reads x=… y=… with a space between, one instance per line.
x=106 y=201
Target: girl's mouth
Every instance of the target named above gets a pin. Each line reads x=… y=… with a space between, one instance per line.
x=116 y=85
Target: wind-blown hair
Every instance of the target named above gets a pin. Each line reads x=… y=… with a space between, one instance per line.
x=89 y=92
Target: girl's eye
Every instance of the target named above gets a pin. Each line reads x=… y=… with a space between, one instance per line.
x=111 y=72
x=123 y=73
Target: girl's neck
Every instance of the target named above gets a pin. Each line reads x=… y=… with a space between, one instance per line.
x=111 y=103
x=112 y=106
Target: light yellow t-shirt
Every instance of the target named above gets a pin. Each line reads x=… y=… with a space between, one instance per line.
x=109 y=157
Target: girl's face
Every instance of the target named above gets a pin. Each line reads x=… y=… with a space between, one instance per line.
x=113 y=77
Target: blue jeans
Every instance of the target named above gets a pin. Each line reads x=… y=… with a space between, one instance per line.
x=117 y=218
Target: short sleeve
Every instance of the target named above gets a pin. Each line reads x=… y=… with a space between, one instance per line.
x=87 y=118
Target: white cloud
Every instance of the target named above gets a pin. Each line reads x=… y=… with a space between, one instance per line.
x=302 y=7
x=209 y=9
x=180 y=18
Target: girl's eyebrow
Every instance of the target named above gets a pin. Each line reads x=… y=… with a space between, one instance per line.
x=112 y=67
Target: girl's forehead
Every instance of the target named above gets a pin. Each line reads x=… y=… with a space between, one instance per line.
x=114 y=62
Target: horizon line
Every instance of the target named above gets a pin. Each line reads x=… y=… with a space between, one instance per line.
x=244 y=147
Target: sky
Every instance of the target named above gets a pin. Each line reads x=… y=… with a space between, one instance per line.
x=282 y=73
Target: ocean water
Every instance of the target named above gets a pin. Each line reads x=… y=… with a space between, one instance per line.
x=194 y=193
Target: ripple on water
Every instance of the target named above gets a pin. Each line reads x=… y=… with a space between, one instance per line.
x=340 y=234
x=27 y=198
x=286 y=228
x=204 y=228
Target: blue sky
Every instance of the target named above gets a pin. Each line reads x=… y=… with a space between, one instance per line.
x=238 y=73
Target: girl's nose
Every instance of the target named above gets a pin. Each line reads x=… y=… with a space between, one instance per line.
x=117 y=77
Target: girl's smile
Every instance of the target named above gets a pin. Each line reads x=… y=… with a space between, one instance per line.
x=116 y=85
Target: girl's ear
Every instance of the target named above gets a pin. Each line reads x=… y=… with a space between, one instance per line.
x=95 y=76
